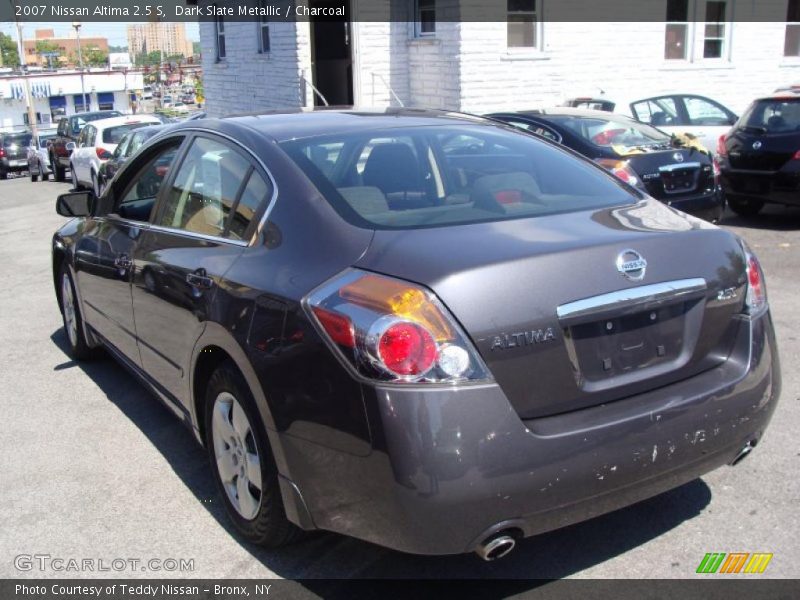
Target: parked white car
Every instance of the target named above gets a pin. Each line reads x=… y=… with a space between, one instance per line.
x=97 y=143
x=704 y=118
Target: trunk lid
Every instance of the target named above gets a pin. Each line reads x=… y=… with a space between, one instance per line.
x=556 y=322
x=673 y=174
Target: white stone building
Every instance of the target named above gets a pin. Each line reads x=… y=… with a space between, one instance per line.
x=702 y=46
x=59 y=94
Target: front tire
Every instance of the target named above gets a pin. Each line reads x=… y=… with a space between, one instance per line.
x=76 y=185
x=242 y=462
x=95 y=185
x=745 y=207
x=34 y=175
x=79 y=349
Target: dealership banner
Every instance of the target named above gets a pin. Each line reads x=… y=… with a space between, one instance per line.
x=279 y=589
x=381 y=10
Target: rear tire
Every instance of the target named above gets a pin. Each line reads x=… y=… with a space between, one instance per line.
x=95 y=185
x=44 y=175
x=34 y=175
x=745 y=207
x=242 y=462
x=79 y=349
x=3 y=175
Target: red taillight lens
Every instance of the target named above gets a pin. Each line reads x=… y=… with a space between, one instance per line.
x=756 y=298
x=722 y=149
x=407 y=349
x=102 y=153
x=393 y=330
x=622 y=170
x=2 y=153
x=796 y=155
x=716 y=169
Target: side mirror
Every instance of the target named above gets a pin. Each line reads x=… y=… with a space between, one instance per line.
x=76 y=204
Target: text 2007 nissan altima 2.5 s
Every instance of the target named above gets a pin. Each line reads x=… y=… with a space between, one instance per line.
x=424 y=330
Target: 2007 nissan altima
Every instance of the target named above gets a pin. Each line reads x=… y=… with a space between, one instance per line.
x=416 y=328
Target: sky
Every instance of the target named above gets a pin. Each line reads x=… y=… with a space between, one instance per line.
x=115 y=32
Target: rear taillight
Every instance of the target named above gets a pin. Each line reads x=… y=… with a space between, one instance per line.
x=2 y=153
x=796 y=155
x=716 y=170
x=622 y=170
x=102 y=153
x=393 y=331
x=722 y=149
x=756 y=298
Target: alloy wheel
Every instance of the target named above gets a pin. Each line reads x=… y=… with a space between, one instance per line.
x=68 y=305
x=236 y=453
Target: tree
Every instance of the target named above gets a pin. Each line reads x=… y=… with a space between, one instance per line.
x=117 y=48
x=8 y=51
x=94 y=57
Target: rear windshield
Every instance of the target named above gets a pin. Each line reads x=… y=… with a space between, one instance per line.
x=435 y=176
x=114 y=135
x=21 y=139
x=773 y=116
x=612 y=131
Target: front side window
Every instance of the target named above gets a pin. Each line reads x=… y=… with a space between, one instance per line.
x=658 y=112
x=410 y=178
x=425 y=16
x=791 y=44
x=703 y=112
x=677 y=30
x=714 y=34
x=205 y=189
x=522 y=24
x=138 y=196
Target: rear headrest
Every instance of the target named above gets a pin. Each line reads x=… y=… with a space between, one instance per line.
x=492 y=192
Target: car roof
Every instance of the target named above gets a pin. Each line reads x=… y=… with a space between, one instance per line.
x=127 y=119
x=566 y=111
x=298 y=123
x=789 y=94
x=90 y=114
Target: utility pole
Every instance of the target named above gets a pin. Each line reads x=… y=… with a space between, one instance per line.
x=22 y=67
x=77 y=26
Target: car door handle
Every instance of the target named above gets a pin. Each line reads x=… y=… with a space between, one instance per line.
x=123 y=262
x=200 y=280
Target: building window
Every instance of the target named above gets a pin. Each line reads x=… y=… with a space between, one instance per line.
x=715 y=29
x=263 y=30
x=425 y=16
x=522 y=24
x=105 y=101
x=791 y=45
x=78 y=101
x=219 y=31
x=676 y=36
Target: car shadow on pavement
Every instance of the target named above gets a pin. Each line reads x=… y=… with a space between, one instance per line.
x=771 y=218
x=329 y=556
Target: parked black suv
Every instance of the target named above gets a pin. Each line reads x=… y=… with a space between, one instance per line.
x=14 y=152
x=760 y=156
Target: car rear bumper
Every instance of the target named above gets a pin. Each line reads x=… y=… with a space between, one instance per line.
x=770 y=186
x=450 y=467
x=14 y=165
x=708 y=206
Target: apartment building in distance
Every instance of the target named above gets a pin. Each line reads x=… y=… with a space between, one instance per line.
x=169 y=38
x=66 y=47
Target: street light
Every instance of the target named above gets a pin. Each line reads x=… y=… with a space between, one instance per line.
x=77 y=26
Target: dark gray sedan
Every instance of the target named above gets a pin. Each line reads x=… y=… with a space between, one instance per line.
x=428 y=331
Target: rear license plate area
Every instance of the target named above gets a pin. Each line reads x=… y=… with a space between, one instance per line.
x=17 y=163
x=620 y=345
x=679 y=181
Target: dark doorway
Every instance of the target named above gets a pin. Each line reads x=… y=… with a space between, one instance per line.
x=331 y=55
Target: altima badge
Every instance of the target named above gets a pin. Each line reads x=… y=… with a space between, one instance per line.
x=523 y=338
x=631 y=264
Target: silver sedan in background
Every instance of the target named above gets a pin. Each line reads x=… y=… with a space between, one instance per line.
x=38 y=157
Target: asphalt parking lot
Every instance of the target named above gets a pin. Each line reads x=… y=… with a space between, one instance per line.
x=91 y=466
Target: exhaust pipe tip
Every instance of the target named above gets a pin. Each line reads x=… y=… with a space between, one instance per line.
x=496 y=547
x=744 y=452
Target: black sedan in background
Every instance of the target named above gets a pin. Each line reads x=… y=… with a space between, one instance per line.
x=683 y=177
x=760 y=156
x=430 y=331
x=127 y=147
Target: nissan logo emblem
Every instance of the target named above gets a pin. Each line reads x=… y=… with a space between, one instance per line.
x=631 y=264
x=756 y=145
x=678 y=157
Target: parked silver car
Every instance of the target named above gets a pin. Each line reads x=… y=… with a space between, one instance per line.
x=39 y=155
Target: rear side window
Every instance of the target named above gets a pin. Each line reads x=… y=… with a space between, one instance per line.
x=658 y=112
x=774 y=116
x=205 y=189
x=435 y=176
x=114 y=135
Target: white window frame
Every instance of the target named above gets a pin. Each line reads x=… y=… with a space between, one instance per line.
x=695 y=34
x=689 y=33
x=262 y=28
x=538 y=28
x=418 y=33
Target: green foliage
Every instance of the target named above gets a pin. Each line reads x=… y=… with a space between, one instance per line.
x=117 y=48
x=196 y=48
x=8 y=51
x=43 y=46
x=94 y=57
